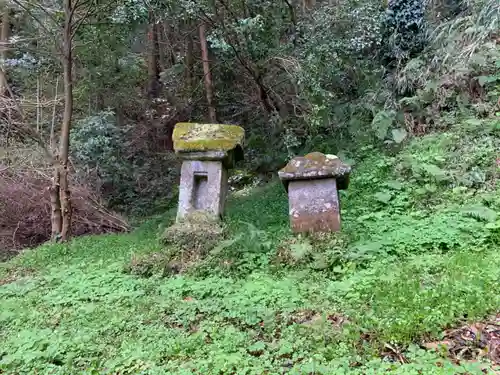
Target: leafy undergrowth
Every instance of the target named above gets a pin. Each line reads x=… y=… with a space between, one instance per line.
x=418 y=255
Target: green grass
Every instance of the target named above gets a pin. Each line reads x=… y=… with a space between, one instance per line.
x=408 y=264
x=89 y=315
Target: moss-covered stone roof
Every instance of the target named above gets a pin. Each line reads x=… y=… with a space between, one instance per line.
x=195 y=137
x=316 y=165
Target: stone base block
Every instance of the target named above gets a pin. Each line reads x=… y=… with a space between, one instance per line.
x=314 y=205
x=203 y=187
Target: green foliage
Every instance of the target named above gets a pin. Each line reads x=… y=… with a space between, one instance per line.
x=418 y=251
x=109 y=69
x=434 y=280
x=220 y=324
x=100 y=150
x=463 y=157
x=382 y=122
x=98 y=145
x=405 y=28
x=405 y=267
x=399 y=135
x=481 y=212
x=328 y=70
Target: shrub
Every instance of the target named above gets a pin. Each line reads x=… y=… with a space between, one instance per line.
x=121 y=164
x=404 y=29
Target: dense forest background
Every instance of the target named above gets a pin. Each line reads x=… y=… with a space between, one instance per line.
x=91 y=91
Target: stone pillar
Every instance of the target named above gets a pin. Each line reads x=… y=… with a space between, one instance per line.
x=203 y=186
x=312 y=183
x=208 y=151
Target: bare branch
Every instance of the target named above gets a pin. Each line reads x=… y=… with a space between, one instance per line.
x=39 y=6
x=28 y=131
x=40 y=23
x=35 y=18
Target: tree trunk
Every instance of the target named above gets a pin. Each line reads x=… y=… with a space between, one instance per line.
x=189 y=60
x=308 y=4
x=168 y=36
x=166 y=51
x=162 y=47
x=208 y=76
x=4 y=39
x=67 y=62
x=55 y=205
x=153 y=57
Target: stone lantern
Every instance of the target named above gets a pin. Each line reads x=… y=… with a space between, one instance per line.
x=312 y=182
x=207 y=151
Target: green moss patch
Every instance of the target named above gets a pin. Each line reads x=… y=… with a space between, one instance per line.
x=314 y=161
x=195 y=137
x=192 y=239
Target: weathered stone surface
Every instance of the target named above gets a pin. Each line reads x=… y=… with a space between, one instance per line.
x=208 y=151
x=226 y=157
x=203 y=187
x=194 y=137
x=314 y=166
x=312 y=182
x=205 y=155
x=314 y=205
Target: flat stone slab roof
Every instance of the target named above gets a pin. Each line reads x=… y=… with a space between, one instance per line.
x=195 y=137
x=316 y=165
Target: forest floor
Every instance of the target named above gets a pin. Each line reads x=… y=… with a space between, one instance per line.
x=411 y=286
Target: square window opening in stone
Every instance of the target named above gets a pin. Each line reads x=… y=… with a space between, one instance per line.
x=200 y=191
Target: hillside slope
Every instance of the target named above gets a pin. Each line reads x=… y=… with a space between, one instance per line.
x=419 y=253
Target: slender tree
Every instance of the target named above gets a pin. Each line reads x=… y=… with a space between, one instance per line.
x=189 y=59
x=208 y=75
x=153 y=58
x=75 y=13
x=4 y=40
x=67 y=64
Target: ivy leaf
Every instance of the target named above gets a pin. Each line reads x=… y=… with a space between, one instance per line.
x=382 y=122
x=399 y=135
x=383 y=196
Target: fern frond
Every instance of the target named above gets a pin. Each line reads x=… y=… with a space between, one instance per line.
x=480 y=212
x=469 y=31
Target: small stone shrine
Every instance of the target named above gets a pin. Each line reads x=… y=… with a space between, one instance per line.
x=312 y=182
x=207 y=151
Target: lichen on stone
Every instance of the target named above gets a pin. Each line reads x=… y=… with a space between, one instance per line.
x=316 y=165
x=195 y=137
x=315 y=157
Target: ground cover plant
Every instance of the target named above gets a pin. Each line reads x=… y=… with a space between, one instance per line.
x=419 y=254
x=406 y=91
